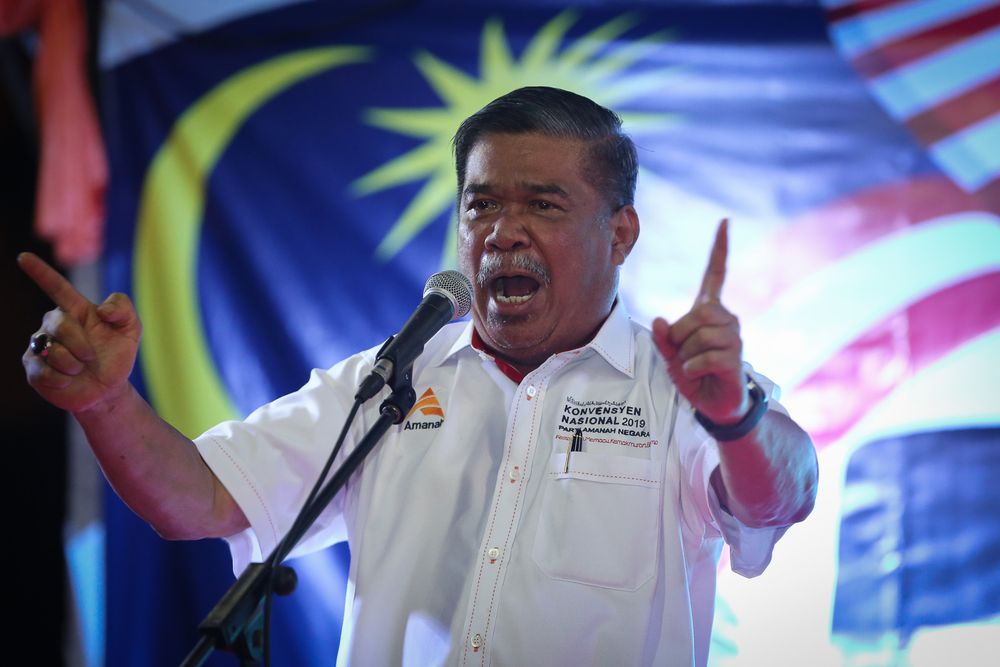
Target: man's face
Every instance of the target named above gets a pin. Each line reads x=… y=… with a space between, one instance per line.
x=540 y=245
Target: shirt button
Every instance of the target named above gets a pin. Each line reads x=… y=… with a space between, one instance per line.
x=515 y=473
x=532 y=391
x=493 y=553
x=477 y=641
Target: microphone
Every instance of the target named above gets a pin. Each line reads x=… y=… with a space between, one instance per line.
x=447 y=296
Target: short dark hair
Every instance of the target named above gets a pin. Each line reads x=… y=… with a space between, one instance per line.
x=558 y=113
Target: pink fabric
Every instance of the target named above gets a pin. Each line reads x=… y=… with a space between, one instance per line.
x=73 y=171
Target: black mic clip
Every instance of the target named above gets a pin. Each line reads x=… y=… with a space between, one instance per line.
x=380 y=374
x=398 y=404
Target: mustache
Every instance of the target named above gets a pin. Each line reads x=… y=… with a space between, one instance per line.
x=493 y=265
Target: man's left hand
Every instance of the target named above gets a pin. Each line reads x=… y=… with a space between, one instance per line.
x=703 y=349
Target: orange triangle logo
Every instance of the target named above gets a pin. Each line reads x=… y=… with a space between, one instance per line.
x=428 y=405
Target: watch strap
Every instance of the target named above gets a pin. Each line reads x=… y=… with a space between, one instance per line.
x=726 y=432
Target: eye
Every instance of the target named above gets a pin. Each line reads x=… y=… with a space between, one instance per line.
x=479 y=206
x=545 y=205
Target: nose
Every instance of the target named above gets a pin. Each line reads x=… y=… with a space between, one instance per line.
x=509 y=233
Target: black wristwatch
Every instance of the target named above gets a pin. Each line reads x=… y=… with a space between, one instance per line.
x=723 y=433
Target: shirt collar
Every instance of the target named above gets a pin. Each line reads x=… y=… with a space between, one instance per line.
x=614 y=342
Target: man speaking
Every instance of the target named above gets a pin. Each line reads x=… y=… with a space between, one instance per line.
x=560 y=492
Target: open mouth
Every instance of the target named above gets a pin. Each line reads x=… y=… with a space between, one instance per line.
x=513 y=290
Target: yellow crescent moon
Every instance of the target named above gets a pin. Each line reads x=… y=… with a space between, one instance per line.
x=180 y=375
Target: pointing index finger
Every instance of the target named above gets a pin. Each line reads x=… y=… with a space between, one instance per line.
x=715 y=272
x=53 y=283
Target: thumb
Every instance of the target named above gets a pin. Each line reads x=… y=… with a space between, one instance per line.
x=117 y=310
x=661 y=338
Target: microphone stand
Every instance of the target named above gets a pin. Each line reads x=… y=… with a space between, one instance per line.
x=235 y=624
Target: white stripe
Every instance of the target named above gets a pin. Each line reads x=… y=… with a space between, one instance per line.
x=826 y=310
x=127 y=32
x=941 y=76
x=871 y=29
x=972 y=156
x=956 y=391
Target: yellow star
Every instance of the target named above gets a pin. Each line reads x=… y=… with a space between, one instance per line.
x=593 y=65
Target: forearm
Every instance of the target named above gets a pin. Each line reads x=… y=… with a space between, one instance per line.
x=768 y=477
x=157 y=471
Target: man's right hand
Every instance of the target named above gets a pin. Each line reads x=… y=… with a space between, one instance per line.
x=94 y=346
x=154 y=468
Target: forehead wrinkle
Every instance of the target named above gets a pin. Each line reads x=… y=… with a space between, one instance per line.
x=544 y=189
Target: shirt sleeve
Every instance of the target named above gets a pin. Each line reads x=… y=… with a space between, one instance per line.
x=750 y=549
x=270 y=461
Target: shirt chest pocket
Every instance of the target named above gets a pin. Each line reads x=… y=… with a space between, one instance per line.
x=600 y=521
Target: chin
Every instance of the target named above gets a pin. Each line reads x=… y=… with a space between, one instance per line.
x=512 y=332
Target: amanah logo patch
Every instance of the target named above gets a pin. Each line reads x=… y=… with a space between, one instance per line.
x=427 y=406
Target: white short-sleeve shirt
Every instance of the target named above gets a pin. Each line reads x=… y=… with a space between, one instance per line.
x=473 y=539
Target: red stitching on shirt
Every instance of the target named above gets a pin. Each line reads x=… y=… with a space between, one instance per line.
x=605 y=353
x=630 y=364
x=517 y=501
x=631 y=349
x=246 y=478
x=596 y=474
x=508 y=442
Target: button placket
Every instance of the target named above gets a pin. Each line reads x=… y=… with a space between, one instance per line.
x=522 y=439
x=515 y=474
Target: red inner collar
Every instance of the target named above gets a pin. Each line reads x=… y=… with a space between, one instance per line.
x=477 y=344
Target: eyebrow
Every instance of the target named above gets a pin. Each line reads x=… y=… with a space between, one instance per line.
x=534 y=188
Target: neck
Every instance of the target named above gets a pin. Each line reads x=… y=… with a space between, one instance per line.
x=517 y=368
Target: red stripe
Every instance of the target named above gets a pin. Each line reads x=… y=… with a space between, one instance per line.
x=936 y=123
x=512 y=373
x=897 y=53
x=860 y=7
x=835 y=397
x=828 y=233
x=989 y=194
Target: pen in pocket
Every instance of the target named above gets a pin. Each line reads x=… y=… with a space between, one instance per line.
x=576 y=445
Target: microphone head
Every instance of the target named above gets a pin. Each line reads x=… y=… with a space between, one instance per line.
x=455 y=287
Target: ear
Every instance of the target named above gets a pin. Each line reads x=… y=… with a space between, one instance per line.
x=624 y=225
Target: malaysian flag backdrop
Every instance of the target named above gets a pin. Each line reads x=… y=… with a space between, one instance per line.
x=266 y=155
x=934 y=66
